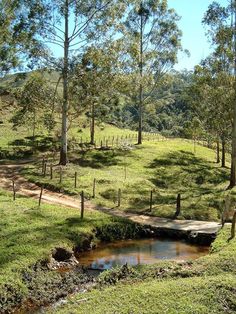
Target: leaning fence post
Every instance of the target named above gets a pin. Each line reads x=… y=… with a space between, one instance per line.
x=94 y=188
x=82 y=205
x=119 y=197
x=40 y=195
x=14 y=190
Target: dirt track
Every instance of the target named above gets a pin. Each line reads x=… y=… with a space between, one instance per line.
x=8 y=172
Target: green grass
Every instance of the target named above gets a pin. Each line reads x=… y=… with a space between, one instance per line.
x=28 y=233
x=166 y=167
x=204 y=286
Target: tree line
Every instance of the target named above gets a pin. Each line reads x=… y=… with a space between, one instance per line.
x=116 y=66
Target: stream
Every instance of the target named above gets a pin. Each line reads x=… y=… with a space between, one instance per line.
x=136 y=252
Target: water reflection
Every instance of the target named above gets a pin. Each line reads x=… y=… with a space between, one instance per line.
x=135 y=252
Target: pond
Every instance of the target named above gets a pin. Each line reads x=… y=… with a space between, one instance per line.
x=136 y=252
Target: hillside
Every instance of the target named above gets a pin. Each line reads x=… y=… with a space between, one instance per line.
x=166 y=167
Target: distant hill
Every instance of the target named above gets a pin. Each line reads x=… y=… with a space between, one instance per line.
x=16 y=80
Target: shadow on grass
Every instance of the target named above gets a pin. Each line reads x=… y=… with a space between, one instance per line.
x=101 y=159
x=185 y=169
x=37 y=143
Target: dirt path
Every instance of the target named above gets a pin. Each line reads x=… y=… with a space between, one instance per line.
x=201 y=227
x=8 y=172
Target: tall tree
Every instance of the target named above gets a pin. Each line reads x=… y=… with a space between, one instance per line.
x=95 y=81
x=222 y=23
x=153 y=40
x=212 y=94
x=72 y=25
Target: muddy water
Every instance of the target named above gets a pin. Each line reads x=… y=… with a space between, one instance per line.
x=135 y=252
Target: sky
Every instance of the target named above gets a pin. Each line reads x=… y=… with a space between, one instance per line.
x=194 y=37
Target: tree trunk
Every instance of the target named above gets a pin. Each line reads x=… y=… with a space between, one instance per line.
x=223 y=153
x=92 y=127
x=233 y=156
x=218 y=151
x=63 y=154
x=140 y=125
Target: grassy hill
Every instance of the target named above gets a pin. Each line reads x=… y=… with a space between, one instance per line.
x=166 y=167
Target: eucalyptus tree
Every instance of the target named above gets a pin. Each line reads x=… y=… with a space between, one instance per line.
x=21 y=22
x=72 y=25
x=221 y=21
x=213 y=97
x=153 y=41
x=95 y=82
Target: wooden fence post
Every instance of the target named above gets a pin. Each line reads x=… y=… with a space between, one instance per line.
x=233 y=226
x=178 y=206
x=75 y=179
x=151 y=200
x=94 y=188
x=40 y=195
x=14 y=190
x=119 y=197
x=82 y=205
x=51 y=173
x=60 y=180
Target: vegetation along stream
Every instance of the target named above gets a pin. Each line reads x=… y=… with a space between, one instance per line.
x=141 y=251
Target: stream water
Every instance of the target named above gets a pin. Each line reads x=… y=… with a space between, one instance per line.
x=135 y=252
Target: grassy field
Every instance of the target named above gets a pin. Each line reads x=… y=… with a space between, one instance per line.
x=204 y=286
x=165 y=167
x=28 y=234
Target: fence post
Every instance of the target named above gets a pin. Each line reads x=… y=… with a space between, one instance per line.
x=233 y=226
x=75 y=179
x=60 y=181
x=82 y=205
x=14 y=190
x=178 y=206
x=151 y=200
x=40 y=195
x=94 y=188
x=119 y=197
x=51 y=173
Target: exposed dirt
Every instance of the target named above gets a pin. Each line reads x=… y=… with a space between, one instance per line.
x=10 y=172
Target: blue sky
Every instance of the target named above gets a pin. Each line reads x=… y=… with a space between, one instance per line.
x=194 y=34
x=194 y=38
